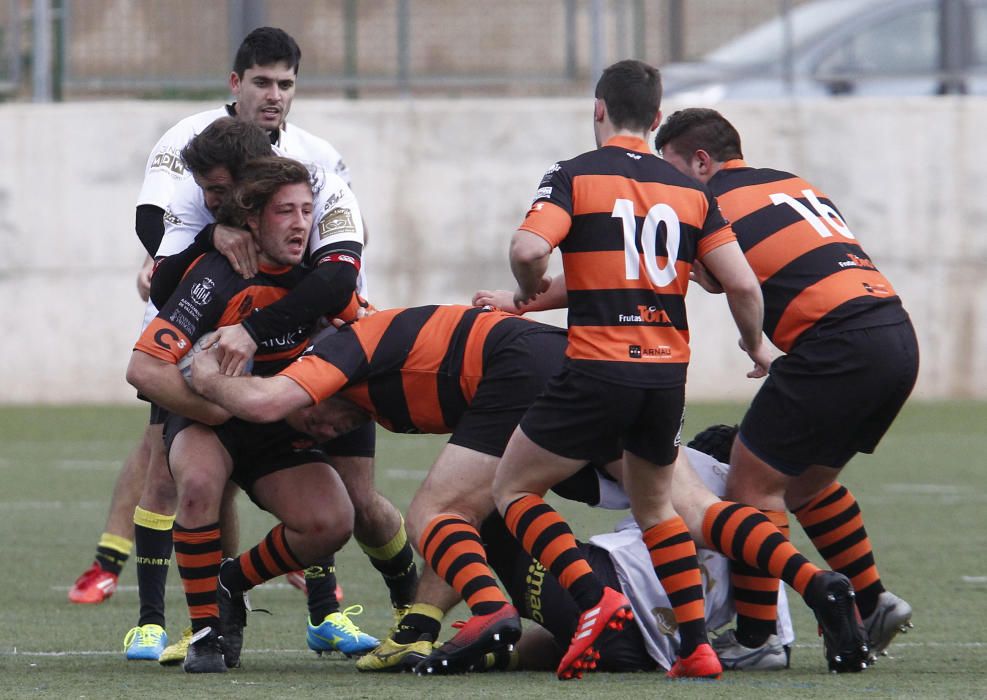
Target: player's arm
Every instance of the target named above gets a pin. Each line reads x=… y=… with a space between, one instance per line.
x=555 y=296
x=529 y=257
x=254 y=399
x=163 y=383
x=728 y=265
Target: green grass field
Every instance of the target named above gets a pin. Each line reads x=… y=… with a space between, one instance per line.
x=923 y=497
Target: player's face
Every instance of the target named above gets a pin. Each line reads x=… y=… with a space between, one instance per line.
x=284 y=224
x=264 y=94
x=215 y=185
x=329 y=419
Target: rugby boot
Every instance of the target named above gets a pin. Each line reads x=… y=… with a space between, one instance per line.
x=205 y=653
x=145 y=643
x=770 y=656
x=701 y=663
x=595 y=626
x=831 y=597
x=93 y=586
x=175 y=653
x=337 y=632
x=891 y=616
x=391 y=657
x=233 y=608
x=477 y=637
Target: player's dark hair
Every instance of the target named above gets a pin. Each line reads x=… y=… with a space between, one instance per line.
x=632 y=92
x=226 y=142
x=690 y=130
x=265 y=46
x=715 y=441
x=259 y=180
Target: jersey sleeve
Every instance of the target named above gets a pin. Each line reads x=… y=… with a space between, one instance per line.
x=337 y=225
x=550 y=214
x=185 y=216
x=716 y=229
x=192 y=311
x=164 y=168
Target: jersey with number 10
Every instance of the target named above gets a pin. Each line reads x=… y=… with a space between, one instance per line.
x=814 y=275
x=629 y=227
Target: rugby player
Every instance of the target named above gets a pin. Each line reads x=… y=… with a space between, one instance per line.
x=280 y=469
x=850 y=362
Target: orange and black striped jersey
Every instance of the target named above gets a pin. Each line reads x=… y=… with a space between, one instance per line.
x=212 y=295
x=629 y=226
x=416 y=369
x=813 y=273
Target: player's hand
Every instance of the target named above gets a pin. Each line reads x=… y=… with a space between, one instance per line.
x=761 y=357
x=144 y=278
x=523 y=297
x=704 y=278
x=234 y=349
x=238 y=247
x=362 y=311
x=497 y=298
x=205 y=365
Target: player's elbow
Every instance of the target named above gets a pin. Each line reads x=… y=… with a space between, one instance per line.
x=137 y=371
x=528 y=249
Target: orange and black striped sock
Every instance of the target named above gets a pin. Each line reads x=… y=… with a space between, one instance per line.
x=673 y=554
x=745 y=534
x=271 y=558
x=547 y=537
x=833 y=522
x=197 y=551
x=755 y=594
x=452 y=547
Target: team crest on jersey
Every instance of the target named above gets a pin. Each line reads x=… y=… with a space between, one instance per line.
x=336 y=222
x=202 y=291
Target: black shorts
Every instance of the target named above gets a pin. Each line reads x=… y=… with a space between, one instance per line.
x=832 y=397
x=513 y=376
x=582 y=417
x=257 y=449
x=361 y=442
x=538 y=596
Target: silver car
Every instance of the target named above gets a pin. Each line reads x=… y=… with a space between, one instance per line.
x=846 y=47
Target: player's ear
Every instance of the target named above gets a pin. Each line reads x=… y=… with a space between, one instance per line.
x=252 y=222
x=657 y=122
x=234 y=84
x=599 y=110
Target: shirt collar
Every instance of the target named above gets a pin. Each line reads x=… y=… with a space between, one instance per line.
x=733 y=164
x=631 y=143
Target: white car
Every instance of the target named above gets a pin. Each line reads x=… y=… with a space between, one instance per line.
x=846 y=47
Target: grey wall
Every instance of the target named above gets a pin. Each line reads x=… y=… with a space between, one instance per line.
x=443 y=185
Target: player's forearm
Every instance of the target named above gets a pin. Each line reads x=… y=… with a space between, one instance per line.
x=325 y=291
x=529 y=257
x=162 y=383
x=149 y=225
x=254 y=399
x=747 y=308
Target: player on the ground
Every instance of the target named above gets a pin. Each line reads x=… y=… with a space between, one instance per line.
x=629 y=228
x=279 y=467
x=621 y=559
x=850 y=364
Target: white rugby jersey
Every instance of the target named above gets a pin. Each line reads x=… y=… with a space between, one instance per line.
x=652 y=609
x=165 y=169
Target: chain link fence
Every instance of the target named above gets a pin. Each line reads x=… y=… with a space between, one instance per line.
x=386 y=48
